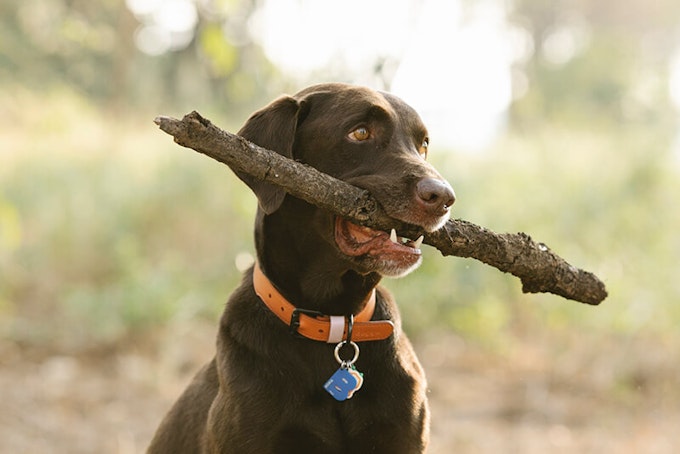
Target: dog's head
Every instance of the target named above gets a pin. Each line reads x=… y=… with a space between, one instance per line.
x=370 y=139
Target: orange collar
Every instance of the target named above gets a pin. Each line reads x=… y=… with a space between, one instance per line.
x=317 y=326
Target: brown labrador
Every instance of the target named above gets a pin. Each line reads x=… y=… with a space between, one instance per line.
x=310 y=356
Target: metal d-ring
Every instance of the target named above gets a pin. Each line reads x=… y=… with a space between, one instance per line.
x=350 y=327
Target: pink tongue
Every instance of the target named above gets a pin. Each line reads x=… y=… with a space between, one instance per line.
x=355 y=240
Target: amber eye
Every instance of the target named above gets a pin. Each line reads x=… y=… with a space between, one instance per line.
x=360 y=134
x=423 y=148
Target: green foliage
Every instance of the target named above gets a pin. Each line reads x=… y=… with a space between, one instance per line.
x=102 y=241
x=222 y=56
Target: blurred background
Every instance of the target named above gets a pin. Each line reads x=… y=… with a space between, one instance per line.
x=119 y=248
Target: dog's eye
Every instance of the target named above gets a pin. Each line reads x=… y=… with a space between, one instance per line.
x=360 y=134
x=423 y=148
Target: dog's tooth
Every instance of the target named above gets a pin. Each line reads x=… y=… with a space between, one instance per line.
x=393 y=236
x=418 y=242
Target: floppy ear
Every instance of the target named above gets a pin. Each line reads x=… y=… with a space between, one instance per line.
x=272 y=127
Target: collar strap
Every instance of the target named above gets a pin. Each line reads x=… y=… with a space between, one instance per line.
x=317 y=326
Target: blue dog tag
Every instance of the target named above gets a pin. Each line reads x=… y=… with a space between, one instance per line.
x=343 y=383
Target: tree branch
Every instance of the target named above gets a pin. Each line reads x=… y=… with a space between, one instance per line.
x=539 y=269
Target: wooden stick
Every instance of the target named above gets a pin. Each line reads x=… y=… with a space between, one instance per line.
x=539 y=269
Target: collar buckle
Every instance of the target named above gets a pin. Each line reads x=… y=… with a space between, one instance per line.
x=295 y=319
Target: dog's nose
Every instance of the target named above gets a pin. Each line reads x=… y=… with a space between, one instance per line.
x=436 y=196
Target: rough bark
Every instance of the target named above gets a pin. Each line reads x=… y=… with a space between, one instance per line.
x=539 y=269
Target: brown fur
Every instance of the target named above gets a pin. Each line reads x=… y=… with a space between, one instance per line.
x=263 y=391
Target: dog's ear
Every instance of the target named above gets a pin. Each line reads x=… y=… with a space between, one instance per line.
x=272 y=127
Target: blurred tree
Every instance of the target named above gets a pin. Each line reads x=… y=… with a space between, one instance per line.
x=597 y=62
x=94 y=47
x=48 y=43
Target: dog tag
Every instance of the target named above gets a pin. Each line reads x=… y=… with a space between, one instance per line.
x=343 y=383
x=347 y=379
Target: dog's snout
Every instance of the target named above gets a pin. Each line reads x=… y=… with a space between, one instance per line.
x=435 y=195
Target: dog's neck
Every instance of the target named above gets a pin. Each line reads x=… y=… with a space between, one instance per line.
x=305 y=267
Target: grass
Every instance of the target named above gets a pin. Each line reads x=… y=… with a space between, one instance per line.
x=107 y=228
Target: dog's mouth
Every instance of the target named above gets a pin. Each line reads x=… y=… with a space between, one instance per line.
x=387 y=253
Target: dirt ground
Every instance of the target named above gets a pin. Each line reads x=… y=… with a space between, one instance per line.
x=567 y=396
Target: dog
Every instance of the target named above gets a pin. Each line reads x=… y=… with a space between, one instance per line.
x=310 y=354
